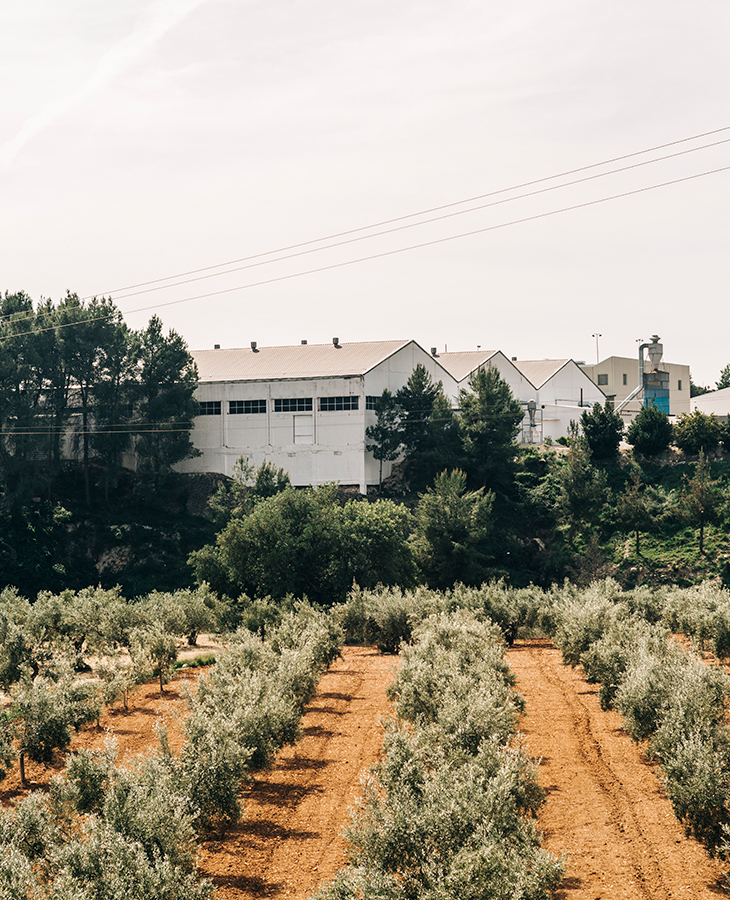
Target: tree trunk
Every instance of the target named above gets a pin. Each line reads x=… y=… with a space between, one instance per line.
x=22 y=769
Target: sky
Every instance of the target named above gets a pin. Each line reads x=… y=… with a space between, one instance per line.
x=263 y=144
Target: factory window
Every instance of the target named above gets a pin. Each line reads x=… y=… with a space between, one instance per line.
x=625 y=378
x=210 y=408
x=333 y=404
x=603 y=379
x=293 y=404
x=246 y=407
x=679 y=385
x=371 y=402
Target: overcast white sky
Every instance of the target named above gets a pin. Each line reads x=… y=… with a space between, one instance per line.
x=147 y=138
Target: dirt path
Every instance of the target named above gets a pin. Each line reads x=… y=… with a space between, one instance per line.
x=605 y=807
x=289 y=840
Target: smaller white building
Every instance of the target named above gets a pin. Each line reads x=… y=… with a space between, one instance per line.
x=562 y=393
x=715 y=403
x=552 y=391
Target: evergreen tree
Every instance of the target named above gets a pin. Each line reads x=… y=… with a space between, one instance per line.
x=86 y=334
x=724 y=379
x=702 y=498
x=650 y=433
x=453 y=531
x=697 y=432
x=489 y=420
x=583 y=489
x=386 y=436
x=602 y=428
x=632 y=508
x=416 y=400
x=167 y=405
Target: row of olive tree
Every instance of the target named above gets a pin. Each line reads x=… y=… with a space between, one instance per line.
x=667 y=696
x=118 y=644
x=448 y=811
x=108 y=833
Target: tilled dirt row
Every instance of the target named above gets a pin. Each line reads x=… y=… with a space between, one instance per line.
x=605 y=807
x=290 y=839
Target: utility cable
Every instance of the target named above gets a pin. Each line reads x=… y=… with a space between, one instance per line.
x=433 y=209
x=382 y=254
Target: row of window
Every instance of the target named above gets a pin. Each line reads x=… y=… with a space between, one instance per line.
x=603 y=381
x=284 y=405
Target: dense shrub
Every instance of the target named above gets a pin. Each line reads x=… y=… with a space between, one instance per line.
x=697 y=431
x=650 y=433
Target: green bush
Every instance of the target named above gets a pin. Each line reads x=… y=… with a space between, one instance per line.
x=650 y=433
x=697 y=431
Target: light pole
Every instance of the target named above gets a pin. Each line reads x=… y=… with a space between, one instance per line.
x=596 y=336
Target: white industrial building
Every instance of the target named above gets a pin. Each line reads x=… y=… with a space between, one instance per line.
x=552 y=391
x=304 y=407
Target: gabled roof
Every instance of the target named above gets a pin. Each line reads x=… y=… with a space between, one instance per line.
x=539 y=371
x=297 y=361
x=462 y=363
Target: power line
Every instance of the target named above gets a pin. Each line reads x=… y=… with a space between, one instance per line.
x=461 y=212
x=380 y=255
x=428 y=211
x=433 y=242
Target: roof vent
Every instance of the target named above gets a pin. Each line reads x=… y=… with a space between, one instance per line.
x=303 y=343
x=253 y=346
x=514 y=359
x=434 y=351
x=336 y=342
x=216 y=346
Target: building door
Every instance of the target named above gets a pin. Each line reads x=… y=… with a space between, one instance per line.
x=303 y=429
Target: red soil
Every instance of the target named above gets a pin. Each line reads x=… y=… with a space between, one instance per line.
x=605 y=810
x=605 y=807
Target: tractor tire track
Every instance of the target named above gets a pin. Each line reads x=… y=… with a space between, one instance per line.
x=605 y=808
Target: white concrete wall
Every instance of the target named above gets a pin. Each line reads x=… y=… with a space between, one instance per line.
x=314 y=447
x=519 y=385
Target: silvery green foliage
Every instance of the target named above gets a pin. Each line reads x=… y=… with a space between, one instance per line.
x=306 y=628
x=446 y=814
x=154 y=652
x=212 y=765
x=703 y=613
x=454 y=679
x=666 y=695
x=104 y=864
x=149 y=806
x=606 y=660
x=186 y=613
x=249 y=706
x=697 y=780
x=16 y=873
x=87 y=777
x=386 y=616
x=646 y=693
x=581 y=619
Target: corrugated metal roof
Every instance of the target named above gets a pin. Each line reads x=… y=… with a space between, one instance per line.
x=538 y=371
x=297 y=361
x=462 y=363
